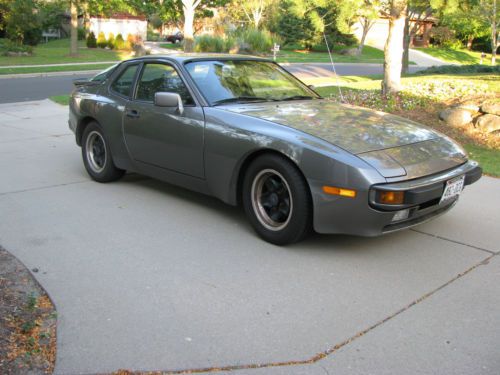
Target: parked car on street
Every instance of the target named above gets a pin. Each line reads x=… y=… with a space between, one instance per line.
x=246 y=131
x=175 y=38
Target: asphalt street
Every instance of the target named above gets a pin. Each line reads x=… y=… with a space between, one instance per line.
x=36 y=87
x=147 y=276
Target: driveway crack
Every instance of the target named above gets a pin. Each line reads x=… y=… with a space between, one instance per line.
x=42 y=188
x=318 y=356
x=454 y=241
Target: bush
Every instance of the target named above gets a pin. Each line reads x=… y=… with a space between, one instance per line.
x=101 y=40
x=444 y=37
x=10 y=46
x=152 y=36
x=111 y=41
x=460 y=69
x=32 y=36
x=119 y=42
x=210 y=43
x=23 y=24
x=258 y=41
x=91 y=41
x=81 y=33
x=131 y=40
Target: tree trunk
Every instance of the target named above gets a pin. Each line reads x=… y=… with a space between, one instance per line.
x=406 y=46
x=74 y=28
x=470 y=39
x=393 y=51
x=189 y=9
x=366 y=24
x=494 y=36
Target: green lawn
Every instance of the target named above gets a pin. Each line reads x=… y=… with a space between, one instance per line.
x=57 y=52
x=369 y=55
x=49 y=69
x=457 y=56
x=176 y=47
x=60 y=99
x=488 y=158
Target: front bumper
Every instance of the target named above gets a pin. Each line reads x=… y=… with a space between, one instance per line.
x=362 y=216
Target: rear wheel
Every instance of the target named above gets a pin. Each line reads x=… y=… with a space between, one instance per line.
x=277 y=201
x=96 y=155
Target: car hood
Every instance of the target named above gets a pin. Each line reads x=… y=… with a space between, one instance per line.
x=392 y=144
x=354 y=129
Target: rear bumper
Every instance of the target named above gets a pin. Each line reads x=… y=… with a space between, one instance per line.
x=362 y=217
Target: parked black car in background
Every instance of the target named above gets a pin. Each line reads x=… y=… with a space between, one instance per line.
x=175 y=38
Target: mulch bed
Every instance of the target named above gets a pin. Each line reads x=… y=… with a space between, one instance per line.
x=27 y=321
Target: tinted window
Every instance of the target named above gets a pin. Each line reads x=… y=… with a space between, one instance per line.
x=223 y=80
x=161 y=78
x=123 y=84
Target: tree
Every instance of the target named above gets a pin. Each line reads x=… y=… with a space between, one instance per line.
x=366 y=12
x=490 y=11
x=74 y=27
x=23 y=25
x=393 y=51
x=467 y=22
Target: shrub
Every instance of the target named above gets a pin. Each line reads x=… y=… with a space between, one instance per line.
x=10 y=46
x=460 y=69
x=81 y=33
x=119 y=42
x=91 y=41
x=111 y=41
x=258 y=41
x=209 y=43
x=101 y=40
x=23 y=24
x=129 y=45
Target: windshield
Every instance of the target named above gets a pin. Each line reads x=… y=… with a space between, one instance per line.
x=246 y=81
x=104 y=74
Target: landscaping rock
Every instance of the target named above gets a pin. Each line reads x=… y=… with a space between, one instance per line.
x=493 y=109
x=17 y=54
x=456 y=116
x=488 y=123
x=349 y=52
x=469 y=107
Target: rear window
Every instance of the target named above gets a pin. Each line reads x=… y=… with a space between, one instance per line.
x=123 y=84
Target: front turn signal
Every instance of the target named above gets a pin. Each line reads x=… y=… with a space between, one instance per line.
x=339 y=191
x=390 y=197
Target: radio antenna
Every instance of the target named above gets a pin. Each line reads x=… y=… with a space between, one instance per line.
x=333 y=68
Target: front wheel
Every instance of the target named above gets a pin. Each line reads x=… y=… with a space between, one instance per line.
x=96 y=155
x=277 y=200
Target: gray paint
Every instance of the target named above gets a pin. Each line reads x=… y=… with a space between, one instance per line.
x=206 y=148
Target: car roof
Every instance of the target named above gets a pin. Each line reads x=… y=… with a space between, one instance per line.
x=188 y=57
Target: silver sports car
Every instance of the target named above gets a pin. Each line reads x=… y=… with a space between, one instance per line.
x=246 y=131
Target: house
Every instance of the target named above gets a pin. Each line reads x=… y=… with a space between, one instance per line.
x=420 y=31
x=119 y=23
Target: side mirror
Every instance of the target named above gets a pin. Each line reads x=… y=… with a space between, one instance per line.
x=312 y=87
x=169 y=99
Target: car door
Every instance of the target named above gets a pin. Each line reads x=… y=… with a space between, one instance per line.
x=162 y=136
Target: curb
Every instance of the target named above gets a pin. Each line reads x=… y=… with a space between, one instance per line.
x=50 y=74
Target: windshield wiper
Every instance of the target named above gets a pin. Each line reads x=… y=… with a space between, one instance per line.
x=241 y=99
x=298 y=97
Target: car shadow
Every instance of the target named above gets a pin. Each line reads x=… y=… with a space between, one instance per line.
x=316 y=241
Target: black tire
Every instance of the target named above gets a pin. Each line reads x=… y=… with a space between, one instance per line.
x=277 y=200
x=97 y=156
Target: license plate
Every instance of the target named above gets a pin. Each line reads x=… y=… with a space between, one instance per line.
x=452 y=189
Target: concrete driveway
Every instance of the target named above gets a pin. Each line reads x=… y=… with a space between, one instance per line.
x=147 y=276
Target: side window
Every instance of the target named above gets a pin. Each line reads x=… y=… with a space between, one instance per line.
x=123 y=84
x=161 y=78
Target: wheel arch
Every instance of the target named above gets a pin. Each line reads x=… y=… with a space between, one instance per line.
x=247 y=161
x=82 y=124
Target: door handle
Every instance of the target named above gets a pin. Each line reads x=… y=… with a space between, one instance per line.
x=133 y=114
